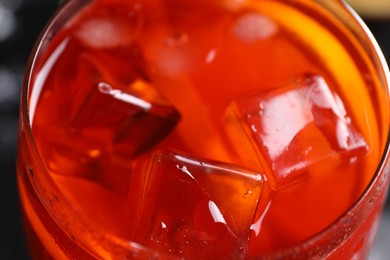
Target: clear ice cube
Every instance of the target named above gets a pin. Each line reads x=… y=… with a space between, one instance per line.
x=254 y=27
x=128 y=116
x=293 y=128
x=109 y=130
x=197 y=208
x=113 y=26
x=75 y=157
x=104 y=122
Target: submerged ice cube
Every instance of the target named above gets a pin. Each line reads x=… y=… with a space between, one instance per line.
x=110 y=128
x=197 y=208
x=105 y=105
x=131 y=121
x=75 y=157
x=104 y=118
x=294 y=128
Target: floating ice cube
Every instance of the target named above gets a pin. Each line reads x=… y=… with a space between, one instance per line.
x=99 y=127
x=110 y=27
x=130 y=114
x=101 y=33
x=197 y=208
x=251 y=28
x=105 y=105
x=293 y=128
x=131 y=120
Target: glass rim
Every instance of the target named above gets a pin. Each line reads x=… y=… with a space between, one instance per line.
x=301 y=247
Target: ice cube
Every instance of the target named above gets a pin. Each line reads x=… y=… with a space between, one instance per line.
x=130 y=119
x=72 y=157
x=105 y=105
x=76 y=157
x=293 y=128
x=127 y=116
x=197 y=208
x=102 y=121
x=254 y=27
x=113 y=26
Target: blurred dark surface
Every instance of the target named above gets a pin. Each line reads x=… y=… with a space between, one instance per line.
x=20 y=23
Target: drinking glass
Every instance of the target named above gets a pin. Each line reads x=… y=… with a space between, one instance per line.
x=327 y=31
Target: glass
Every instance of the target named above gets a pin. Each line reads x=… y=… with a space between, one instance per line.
x=315 y=62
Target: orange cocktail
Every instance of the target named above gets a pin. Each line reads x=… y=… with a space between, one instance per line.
x=204 y=129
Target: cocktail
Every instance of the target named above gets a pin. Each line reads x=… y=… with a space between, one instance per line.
x=224 y=129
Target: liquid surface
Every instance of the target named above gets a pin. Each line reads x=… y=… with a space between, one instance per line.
x=206 y=129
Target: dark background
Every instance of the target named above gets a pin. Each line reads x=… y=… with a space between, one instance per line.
x=20 y=23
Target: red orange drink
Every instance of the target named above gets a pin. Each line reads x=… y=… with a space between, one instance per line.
x=224 y=129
